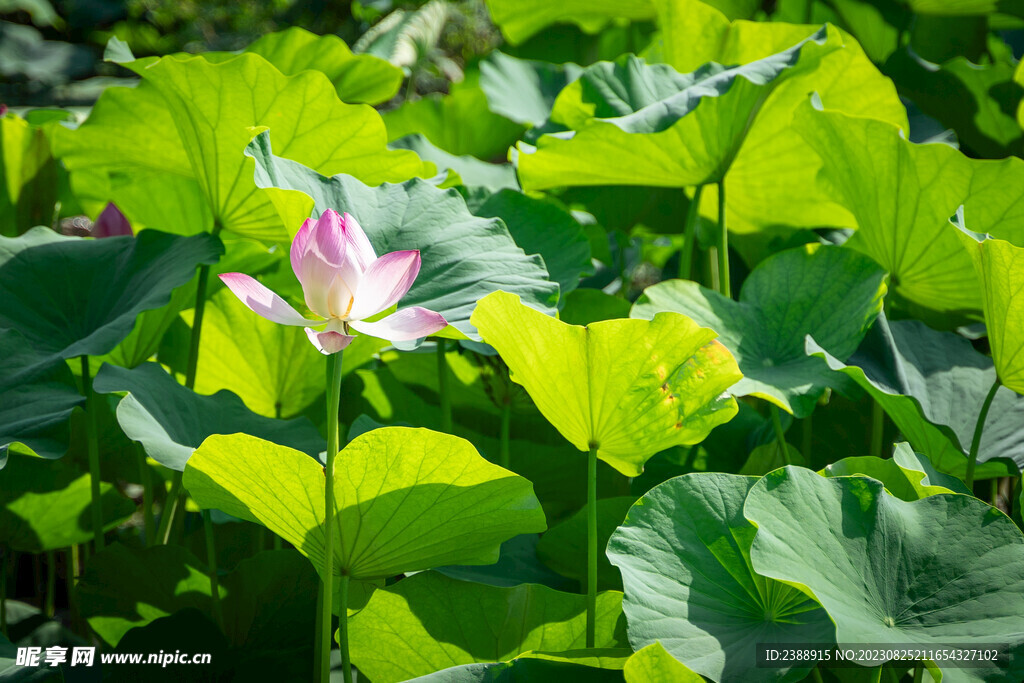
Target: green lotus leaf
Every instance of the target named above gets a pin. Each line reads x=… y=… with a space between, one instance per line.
x=771 y=456
x=430 y=622
x=628 y=388
x=45 y=505
x=37 y=398
x=957 y=8
x=28 y=176
x=517 y=564
x=686 y=543
x=926 y=183
x=464 y=257
x=907 y=475
x=661 y=128
x=360 y=79
x=564 y=546
x=595 y=665
x=471 y=171
x=12 y=672
x=177 y=140
x=932 y=384
x=171 y=421
x=883 y=568
x=833 y=294
x=1000 y=268
x=585 y=306
x=542 y=226
x=406 y=499
x=520 y=19
x=524 y=90
x=653 y=664
x=118 y=278
x=459 y=123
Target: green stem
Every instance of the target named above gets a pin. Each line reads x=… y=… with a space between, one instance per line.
x=74 y=571
x=333 y=400
x=592 y=546
x=444 y=389
x=148 y=521
x=690 y=234
x=4 y=561
x=197 y=321
x=780 y=435
x=506 y=427
x=972 y=460
x=346 y=662
x=877 y=429
x=92 y=441
x=51 y=583
x=918 y=672
x=171 y=504
x=817 y=675
x=807 y=437
x=211 y=560
x=723 y=246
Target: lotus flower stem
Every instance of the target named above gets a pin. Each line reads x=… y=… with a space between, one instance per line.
x=211 y=555
x=690 y=235
x=877 y=429
x=51 y=583
x=148 y=522
x=723 y=246
x=506 y=428
x=592 y=546
x=443 y=387
x=817 y=675
x=4 y=561
x=972 y=459
x=171 y=503
x=780 y=434
x=346 y=662
x=327 y=604
x=92 y=443
x=918 y=672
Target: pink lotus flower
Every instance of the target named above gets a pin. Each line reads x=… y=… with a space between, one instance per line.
x=344 y=282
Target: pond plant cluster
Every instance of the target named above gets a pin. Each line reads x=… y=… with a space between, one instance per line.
x=727 y=355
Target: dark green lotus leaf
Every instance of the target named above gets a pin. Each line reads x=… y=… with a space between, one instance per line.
x=111 y=281
x=463 y=257
x=944 y=569
x=542 y=226
x=684 y=554
x=585 y=306
x=357 y=78
x=564 y=546
x=932 y=385
x=471 y=171
x=517 y=564
x=171 y=421
x=597 y=665
x=831 y=293
x=640 y=124
x=430 y=622
x=907 y=475
x=524 y=90
x=46 y=505
x=37 y=397
x=12 y=672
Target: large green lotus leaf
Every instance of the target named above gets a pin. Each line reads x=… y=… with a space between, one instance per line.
x=171 y=421
x=771 y=181
x=28 y=176
x=464 y=257
x=683 y=551
x=468 y=170
x=925 y=184
x=115 y=279
x=12 y=672
x=944 y=569
x=46 y=505
x=360 y=79
x=37 y=398
x=430 y=622
x=831 y=293
x=520 y=19
x=518 y=564
x=628 y=388
x=653 y=664
x=524 y=90
x=406 y=499
x=932 y=385
x=646 y=124
x=459 y=123
x=907 y=475
x=564 y=546
x=203 y=115
x=1000 y=268
x=542 y=226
